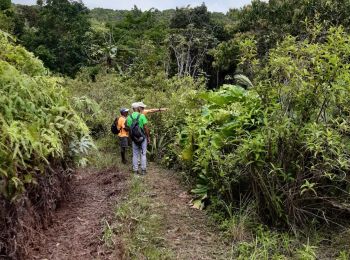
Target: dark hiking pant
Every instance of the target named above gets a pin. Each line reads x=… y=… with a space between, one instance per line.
x=124 y=143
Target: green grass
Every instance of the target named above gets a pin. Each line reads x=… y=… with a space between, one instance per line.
x=138 y=227
x=260 y=242
x=107 y=153
x=108 y=235
x=254 y=241
x=251 y=239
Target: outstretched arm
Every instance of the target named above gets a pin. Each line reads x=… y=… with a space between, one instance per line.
x=154 y=110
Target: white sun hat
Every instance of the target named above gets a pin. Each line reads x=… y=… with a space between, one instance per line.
x=135 y=105
x=141 y=104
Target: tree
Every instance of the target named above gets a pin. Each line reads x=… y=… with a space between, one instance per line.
x=61 y=36
x=283 y=142
x=190 y=47
x=7 y=18
x=121 y=43
x=198 y=16
x=195 y=31
x=271 y=21
x=5 y=4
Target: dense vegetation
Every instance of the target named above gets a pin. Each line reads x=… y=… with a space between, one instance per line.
x=37 y=122
x=284 y=141
x=258 y=101
x=42 y=137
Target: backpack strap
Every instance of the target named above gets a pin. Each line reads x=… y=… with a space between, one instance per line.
x=116 y=121
x=137 y=118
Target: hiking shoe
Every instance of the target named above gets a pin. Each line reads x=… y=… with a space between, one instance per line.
x=135 y=172
x=143 y=172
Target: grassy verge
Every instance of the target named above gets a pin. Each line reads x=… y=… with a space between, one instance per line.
x=138 y=226
x=252 y=240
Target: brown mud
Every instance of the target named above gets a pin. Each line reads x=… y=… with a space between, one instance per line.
x=77 y=225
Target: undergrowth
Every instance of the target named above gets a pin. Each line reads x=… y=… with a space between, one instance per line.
x=42 y=139
x=278 y=142
x=107 y=154
x=252 y=240
x=138 y=227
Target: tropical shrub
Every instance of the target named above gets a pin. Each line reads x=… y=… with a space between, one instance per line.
x=41 y=139
x=37 y=121
x=284 y=142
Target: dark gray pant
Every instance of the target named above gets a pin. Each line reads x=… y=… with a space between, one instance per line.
x=124 y=143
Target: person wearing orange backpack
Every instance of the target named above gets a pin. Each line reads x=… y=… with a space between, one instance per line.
x=123 y=133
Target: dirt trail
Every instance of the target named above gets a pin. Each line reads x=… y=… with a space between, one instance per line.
x=78 y=224
x=189 y=233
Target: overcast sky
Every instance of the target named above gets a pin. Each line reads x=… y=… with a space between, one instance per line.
x=213 y=5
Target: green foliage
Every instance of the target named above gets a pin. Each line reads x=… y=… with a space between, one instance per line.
x=224 y=55
x=174 y=42
x=37 y=124
x=111 y=92
x=5 y=4
x=272 y=245
x=107 y=15
x=17 y=56
x=343 y=255
x=139 y=228
x=7 y=22
x=198 y=16
x=284 y=141
x=59 y=35
x=190 y=46
x=194 y=32
x=107 y=237
x=127 y=43
x=278 y=136
x=307 y=252
x=90 y=112
x=271 y=21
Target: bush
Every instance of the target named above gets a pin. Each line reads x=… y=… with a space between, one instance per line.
x=285 y=141
x=41 y=138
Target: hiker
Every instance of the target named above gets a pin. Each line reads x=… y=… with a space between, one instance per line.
x=139 y=133
x=123 y=133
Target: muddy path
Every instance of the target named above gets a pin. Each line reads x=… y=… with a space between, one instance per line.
x=78 y=224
